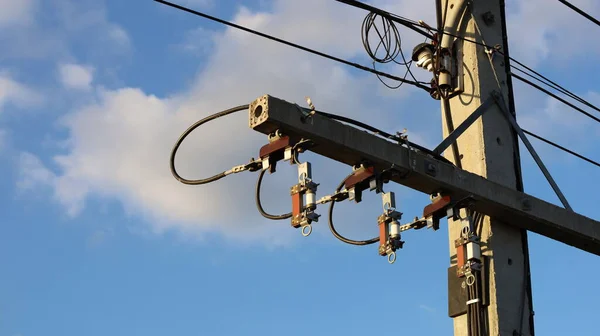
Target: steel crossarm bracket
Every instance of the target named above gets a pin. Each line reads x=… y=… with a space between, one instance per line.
x=422 y=172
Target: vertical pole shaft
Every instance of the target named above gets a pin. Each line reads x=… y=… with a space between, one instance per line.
x=488 y=148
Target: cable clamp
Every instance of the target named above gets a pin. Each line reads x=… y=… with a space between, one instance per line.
x=337 y=197
x=253 y=165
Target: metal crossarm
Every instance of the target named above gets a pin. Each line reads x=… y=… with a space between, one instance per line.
x=424 y=173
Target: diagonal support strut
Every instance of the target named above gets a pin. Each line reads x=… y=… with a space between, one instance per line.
x=511 y=119
x=499 y=100
x=452 y=137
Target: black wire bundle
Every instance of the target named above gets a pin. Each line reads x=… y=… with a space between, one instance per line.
x=188 y=132
x=476 y=321
x=259 y=206
x=337 y=234
x=389 y=40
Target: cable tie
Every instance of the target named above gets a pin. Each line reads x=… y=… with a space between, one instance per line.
x=472 y=301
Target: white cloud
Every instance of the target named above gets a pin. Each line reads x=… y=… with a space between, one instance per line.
x=52 y=30
x=548 y=30
x=119 y=146
x=13 y=92
x=19 y=12
x=118 y=35
x=75 y=76
x=198 y=41
x=33 y=173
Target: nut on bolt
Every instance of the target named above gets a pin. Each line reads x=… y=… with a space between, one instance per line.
x=488 y=18
x=431 y=168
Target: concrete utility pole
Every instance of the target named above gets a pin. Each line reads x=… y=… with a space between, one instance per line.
x=487 y=148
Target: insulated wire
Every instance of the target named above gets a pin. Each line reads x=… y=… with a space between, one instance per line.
x=297 y=46
x=391 y=42
x=259 y=204
x=190 y=130
x=411 y=24
x=334 y=231
x=383 y=134
x=544 y=80
x=358 y=66
x=445 y=100
x=595 y=163
x=555 y=97
x=440 y=31
x=221 y=175
x=580 y=11
x=536 y=75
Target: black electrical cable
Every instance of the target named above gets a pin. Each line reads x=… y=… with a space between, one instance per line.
x=477 y=305
x=438 y=52
x=544 y=80
x=555 y=96
x=297 y=46
x=259 y=204
x=537 y=76
x=383 y=134
x=440 y=30
x=411 y=24
x=190 y=130
x=334 y=231
x=580 y=11
x=595 y=163
x=390 y=41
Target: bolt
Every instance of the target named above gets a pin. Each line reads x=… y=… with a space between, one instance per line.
x=488 y=18
x=525 y=205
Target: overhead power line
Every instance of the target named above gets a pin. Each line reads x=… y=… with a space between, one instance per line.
x=557 y=87
x=540 y=77
x=416 y=26
x=564 y=149
x=555 y=97
x=410 y=24
x=580 y=11
x=294 y=45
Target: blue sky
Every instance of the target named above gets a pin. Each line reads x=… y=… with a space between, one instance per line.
x=98 y=238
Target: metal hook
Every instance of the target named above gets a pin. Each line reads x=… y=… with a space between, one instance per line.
x=306 y=230
x=392 y=257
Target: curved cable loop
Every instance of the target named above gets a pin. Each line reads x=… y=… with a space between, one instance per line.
x=261 y=175
x=337 y=234
x=259 y=204
x=190 y=130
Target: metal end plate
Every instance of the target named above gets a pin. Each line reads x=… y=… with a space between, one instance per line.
x=258 y=111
